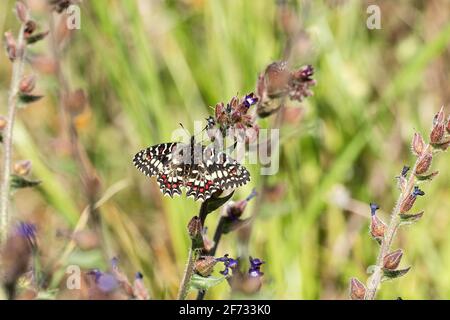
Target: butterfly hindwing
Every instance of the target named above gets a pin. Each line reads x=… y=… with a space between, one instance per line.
x=227 y=173
x=199 y=183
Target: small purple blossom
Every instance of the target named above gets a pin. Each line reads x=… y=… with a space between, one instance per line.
x=250 y=99
x=255 y=266
x=138 y=276
x=405 y=171
x=417 y=192
x=229 y=263
x=105 y=282
x=373 y=208
x=26 y=230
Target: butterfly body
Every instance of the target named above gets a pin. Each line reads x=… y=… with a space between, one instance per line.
x=198 y=169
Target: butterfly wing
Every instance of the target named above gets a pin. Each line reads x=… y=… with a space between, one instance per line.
x=199 y=183
x=154 y=159
x=227 y=173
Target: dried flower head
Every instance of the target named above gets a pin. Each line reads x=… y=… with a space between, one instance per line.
x=235 y=114
x=300 y=83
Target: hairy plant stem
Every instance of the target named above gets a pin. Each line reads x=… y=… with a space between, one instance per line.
x=188 y=273
x=17 y=73
x=192 y=257
x=376 y=278
x=217 y=236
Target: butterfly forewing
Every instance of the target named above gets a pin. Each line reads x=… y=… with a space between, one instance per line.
x=151 y=161
x=227 y=172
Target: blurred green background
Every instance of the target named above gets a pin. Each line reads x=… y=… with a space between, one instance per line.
x=147 y=65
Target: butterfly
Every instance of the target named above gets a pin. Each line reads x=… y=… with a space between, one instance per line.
x=199 y=169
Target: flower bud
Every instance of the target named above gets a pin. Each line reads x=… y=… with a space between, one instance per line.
x=410 y=199
x=30 y=28
x=140 y=292
x=21 y=11
x=392 y=260
x=417 y=144
x=357 y=289
x=3 y=123
x=438 y=131
x=22 y=168
x=195 y=227
x=424 y=163
x=377 y=227
x=205 y=265
x=437 y=134
x=276 y=79
x=11 y=46
x=27 y=84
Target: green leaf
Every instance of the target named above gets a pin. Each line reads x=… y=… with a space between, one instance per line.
x=37 y=37
x=204 y=283
x=392 y=274
x=18 y=182
x=427 y=177
x=215 y=203
x=410 y=218
x=28 y=98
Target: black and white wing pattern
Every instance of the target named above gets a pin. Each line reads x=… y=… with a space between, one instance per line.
x=200 y=174
x=226 y=172
x=151 y=161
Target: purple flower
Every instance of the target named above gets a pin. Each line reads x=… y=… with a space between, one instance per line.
x=417 y=192
x=373 y=208
x=255 y=266
x=26 y=230
x=250 y=100
x=138 y=276
x=106 y=282
x=229 y=263
x=405 y=171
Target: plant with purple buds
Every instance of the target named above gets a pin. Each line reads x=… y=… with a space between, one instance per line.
x=387 y=264
x=20 y=92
